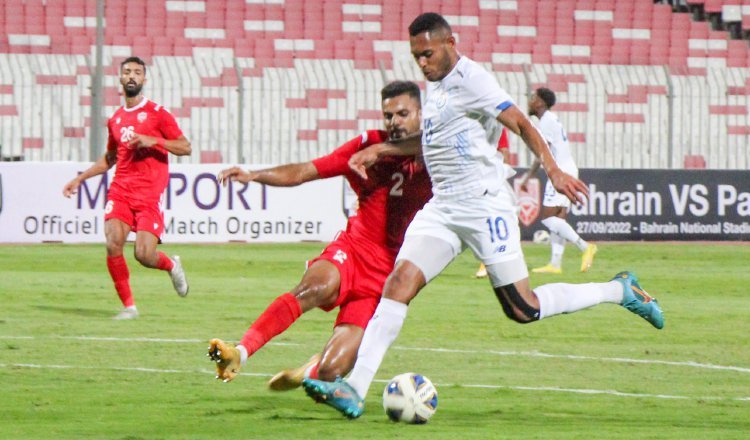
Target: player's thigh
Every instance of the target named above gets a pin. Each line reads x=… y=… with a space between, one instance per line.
x=513 y=271
x=340 y=352
x=407 y=280
x=430 y=243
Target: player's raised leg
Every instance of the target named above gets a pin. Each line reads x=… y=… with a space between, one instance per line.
x=146 y=242
x=522 y=304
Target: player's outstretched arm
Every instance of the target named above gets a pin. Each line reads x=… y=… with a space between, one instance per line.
x=101 y=166
x=364 y=159
x=283 y=175
x=564 y=183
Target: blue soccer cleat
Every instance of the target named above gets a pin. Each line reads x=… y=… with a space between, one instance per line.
x=638 y=301
x=339 y=394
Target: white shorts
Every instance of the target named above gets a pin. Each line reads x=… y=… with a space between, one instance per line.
x=553 y=198
x=488 y=225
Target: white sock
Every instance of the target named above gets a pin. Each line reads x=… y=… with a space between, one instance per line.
x=381 y=332
x=557 y=246
x=558 y=298
x=243 y=353
x=560 y=227
x=131 y=308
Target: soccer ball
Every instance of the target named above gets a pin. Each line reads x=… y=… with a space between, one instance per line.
x=541 y=237
x=410 y=398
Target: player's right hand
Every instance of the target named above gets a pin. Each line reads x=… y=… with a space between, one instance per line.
x=363 y=159
x=235 y=174
x=71 y=188
x=574 y=189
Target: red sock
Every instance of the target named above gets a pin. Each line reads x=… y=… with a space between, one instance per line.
x=314 y=371
x=282 y=313
x=164 y=263
x=118 y=270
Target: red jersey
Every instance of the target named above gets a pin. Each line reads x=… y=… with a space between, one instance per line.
x=397 y=187
x=503 y=141
x=141 y=173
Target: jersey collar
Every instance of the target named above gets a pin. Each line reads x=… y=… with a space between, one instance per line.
x=137 y=107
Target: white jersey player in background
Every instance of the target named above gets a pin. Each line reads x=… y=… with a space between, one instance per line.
x=555 y=205
x=472 y=207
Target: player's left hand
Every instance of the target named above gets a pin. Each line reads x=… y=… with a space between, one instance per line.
x=572 y=188
x=142 y=141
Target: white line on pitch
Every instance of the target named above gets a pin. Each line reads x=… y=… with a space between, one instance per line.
x=435 y=350
x=481 y=386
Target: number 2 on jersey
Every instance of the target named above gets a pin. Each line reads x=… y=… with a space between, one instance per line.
x=498 y=229
x=398 y=188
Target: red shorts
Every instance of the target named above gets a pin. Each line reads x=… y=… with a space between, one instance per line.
x=139 y=215
x=363 y=268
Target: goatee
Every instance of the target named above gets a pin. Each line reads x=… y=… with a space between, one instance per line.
x=132 y=92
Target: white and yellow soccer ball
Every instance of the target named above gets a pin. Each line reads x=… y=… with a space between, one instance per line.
x=410 y=398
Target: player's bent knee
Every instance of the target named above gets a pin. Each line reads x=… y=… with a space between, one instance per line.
x=145 y=257
x=316 y=294
x=514 y=306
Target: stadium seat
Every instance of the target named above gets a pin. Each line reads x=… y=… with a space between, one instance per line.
x=695 y=161
x=210 y=156
x=318 y=64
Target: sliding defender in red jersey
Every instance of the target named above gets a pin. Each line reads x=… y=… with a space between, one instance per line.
x=350 y=272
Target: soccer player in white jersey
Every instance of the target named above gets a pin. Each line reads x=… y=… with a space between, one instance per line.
x=555 y=205
x=472 y=207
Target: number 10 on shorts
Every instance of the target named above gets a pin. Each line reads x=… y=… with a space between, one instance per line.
x=498 y=229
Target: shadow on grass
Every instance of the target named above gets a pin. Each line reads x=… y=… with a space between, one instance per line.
x=95 y=313
x=291 y=413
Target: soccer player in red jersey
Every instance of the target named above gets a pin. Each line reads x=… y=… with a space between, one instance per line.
x=351 y=271
x=141 y=136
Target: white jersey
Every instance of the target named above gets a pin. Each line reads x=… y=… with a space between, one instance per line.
x=460 y=132
x=553 y=131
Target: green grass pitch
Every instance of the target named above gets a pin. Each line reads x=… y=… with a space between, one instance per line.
x=67 y=370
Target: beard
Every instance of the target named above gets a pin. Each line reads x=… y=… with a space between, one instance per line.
x=132 y=90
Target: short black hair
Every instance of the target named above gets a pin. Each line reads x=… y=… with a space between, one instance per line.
x=134 y=60
x=546 y=95
x=398 y=88
x=428 y=22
